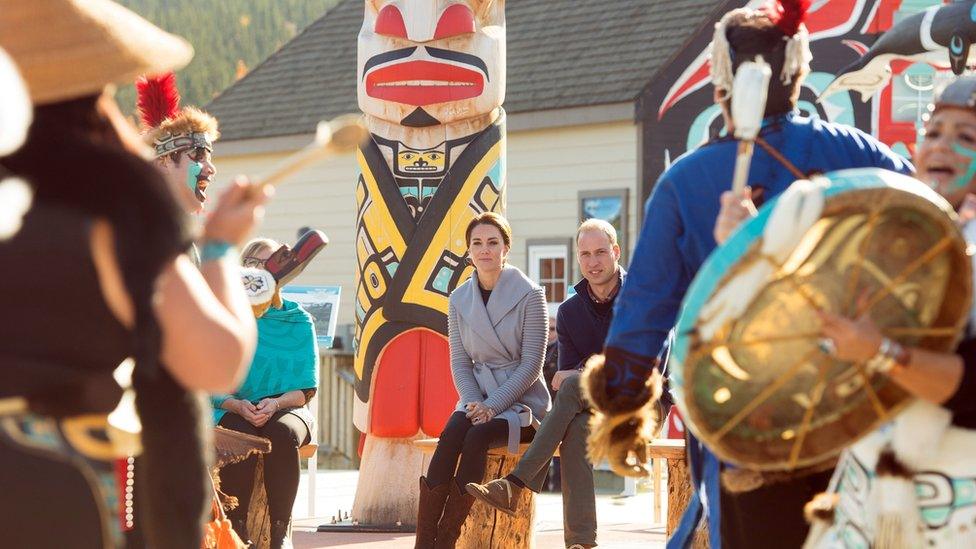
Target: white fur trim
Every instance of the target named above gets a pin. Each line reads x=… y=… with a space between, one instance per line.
x=15 y=201
x=797 y=56
x=918 y=433
x=15 y=107
x=895 y=514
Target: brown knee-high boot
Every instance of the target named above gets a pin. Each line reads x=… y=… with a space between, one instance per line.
x=456 y=510
x=429 y=512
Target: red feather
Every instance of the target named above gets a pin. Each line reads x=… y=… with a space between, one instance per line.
x=787 y=15
x=157 y=98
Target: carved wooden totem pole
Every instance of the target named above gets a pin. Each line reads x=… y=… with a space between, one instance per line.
x=431 y=81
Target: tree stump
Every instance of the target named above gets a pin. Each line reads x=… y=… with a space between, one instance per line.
x=258 y=518
x=679 y=485
x=388 y=490
x=485 y=527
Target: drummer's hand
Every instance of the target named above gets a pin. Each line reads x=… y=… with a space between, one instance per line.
x=239 y=209
x=734 y=211
x=855 y=340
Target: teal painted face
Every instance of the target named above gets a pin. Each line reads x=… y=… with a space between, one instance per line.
x=965 y=178
x=946 y=157
x=193 y=174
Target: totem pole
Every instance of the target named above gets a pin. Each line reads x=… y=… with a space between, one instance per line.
x=431 y=81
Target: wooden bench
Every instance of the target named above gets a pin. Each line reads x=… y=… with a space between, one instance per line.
x=487 y=528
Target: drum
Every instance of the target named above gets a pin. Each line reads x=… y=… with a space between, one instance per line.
x=747 y=369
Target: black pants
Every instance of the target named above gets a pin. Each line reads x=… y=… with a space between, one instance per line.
x=460 y=438
x=770 y=516
x=287 y=433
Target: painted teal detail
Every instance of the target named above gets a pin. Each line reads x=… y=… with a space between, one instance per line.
x=495 y=173
x=963 y=181
x=428 y=192
x=442 y=281
x=192 y=174
x=955 y=45
x=838 y=106
x=901 y=149
x=360 y=312
x=698 y=132
x=409 y=191
x=972 y=13
x=392 y=268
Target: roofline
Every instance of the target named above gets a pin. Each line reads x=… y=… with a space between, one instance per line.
x=717 y=12
x=516 y=122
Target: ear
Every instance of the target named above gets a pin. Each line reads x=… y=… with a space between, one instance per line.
x=616 y=251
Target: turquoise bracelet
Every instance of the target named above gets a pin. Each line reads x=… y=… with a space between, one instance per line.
x=215 y=250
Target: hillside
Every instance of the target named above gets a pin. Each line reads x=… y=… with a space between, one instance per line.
x=230 y=37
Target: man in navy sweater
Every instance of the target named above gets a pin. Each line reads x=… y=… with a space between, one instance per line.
x=581 y=327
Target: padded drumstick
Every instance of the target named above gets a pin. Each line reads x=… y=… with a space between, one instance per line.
x=749 y=90
x=341 y=134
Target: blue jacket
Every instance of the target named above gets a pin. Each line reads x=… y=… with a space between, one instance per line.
x=581 y=330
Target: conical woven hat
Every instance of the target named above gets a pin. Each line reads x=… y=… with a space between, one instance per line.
x=71 y=48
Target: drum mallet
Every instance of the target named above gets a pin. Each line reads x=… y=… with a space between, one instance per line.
x=341 y=134
x=749 y=89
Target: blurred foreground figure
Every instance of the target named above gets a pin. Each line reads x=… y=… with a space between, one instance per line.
x=97 y=274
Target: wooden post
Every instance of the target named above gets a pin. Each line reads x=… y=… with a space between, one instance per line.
x=679 y=484
x=388 y=490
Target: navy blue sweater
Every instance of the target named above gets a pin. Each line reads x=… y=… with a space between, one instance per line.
x=581 y=329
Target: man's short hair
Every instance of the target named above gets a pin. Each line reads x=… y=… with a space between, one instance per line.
x=594 y=224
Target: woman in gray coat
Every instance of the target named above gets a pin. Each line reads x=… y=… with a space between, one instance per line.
x=497 y=325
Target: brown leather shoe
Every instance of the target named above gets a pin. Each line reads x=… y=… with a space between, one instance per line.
x=429 y=512
x=456 y=511
x=499 y=493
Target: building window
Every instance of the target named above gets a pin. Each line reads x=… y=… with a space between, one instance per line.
x=549 y=266
x=611 y=206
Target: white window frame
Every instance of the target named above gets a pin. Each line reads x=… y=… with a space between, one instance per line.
x=538 y=250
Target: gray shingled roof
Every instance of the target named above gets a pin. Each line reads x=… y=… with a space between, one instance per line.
x=561 y=53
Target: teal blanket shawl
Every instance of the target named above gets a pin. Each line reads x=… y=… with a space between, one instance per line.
x=286 y=359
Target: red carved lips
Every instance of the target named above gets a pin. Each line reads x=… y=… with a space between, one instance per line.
x=420 y=83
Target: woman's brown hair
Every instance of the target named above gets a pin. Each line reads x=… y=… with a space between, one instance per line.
x=493 y=219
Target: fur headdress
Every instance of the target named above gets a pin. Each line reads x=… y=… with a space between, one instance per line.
x=168 y=127
x=778 y=24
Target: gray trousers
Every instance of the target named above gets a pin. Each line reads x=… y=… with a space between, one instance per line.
x=567 y=423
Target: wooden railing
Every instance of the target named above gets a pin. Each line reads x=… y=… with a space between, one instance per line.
x=338 y=437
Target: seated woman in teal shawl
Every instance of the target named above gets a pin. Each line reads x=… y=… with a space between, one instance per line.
x=271 y=403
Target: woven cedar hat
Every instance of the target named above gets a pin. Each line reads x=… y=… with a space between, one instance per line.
x=72 y=48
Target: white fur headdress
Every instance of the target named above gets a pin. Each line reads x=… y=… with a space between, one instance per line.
x=788 y=17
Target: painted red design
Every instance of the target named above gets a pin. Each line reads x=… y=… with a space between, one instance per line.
x=389 y=22
x=420 y=83
x=455 y=21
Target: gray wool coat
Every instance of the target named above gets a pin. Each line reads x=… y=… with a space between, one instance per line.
x=497 y=349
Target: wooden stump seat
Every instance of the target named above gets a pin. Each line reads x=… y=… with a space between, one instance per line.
x=487 y=528
x=679 y=485
x=258 y=518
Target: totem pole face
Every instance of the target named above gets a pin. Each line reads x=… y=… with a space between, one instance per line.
x=429 y=62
